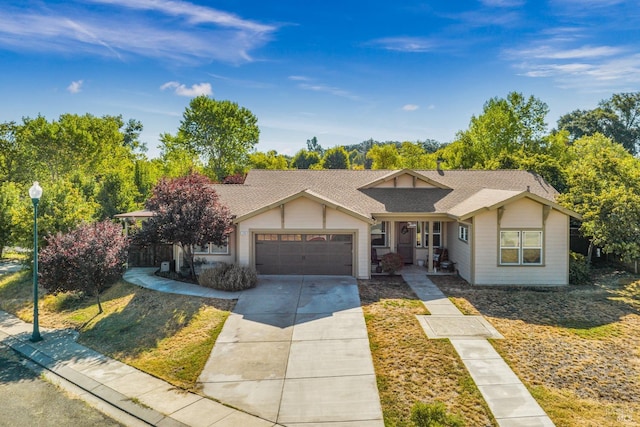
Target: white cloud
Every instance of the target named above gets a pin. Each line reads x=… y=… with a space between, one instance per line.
x=75 y=86
x=176 y=31
x=193 y=91
x=330 y=90
x=502 y=3
x=410 y=107
x=405 y=44
x=299 y=78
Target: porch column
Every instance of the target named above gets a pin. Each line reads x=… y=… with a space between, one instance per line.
x=430 y=246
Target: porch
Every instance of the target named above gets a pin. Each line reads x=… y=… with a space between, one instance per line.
x=421 y=244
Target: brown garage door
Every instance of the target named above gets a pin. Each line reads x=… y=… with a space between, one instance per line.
x=304 y=254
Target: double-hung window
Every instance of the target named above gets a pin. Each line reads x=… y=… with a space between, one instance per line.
x=463 y=233
x=379 y=234
x=437 y=234
x=520 y=247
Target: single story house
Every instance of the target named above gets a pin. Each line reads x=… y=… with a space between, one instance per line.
x=499 y=227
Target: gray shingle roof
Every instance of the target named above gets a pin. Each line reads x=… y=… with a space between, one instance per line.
x=265 y=187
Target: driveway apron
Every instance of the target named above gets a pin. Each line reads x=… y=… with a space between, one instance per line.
x=295 y=351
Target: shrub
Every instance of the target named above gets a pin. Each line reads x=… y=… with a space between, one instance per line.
x=578 y=269
x=228 y=277
x=391 y=262
x=434 y=415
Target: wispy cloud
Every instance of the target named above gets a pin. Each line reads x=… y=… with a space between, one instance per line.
x=75 y=86
x=172 y=30
x=572 y=64
x=308 y=83
x=410 y=107
x=405 y=44
x=182 y=90
x=503 y=3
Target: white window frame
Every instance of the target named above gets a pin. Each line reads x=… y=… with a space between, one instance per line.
x=521 y=246
x=463 y=233
x=384 y=227
x=212 y=249
x=438 y=233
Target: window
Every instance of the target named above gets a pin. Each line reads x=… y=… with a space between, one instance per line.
x=379 y=234
x=419 y=234
x=521 y=247
x=463 y=233
x=219 y=250
x=210 y=248
x=437 y=234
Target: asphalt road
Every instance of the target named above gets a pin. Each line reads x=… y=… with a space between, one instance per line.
x=26 y=400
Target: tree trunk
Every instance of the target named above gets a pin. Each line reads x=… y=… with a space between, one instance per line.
x=98 y=299
x=589 y=252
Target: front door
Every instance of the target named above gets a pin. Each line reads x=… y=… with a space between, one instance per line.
x=405 y=240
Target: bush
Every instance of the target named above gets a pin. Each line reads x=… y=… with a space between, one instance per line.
x=434 y=415
x=578 y=269
x=391 y=262
x=228 y=277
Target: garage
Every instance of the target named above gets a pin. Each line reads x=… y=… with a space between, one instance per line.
x=326 y=254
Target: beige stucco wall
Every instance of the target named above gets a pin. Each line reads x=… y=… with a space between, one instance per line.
x=522 y=214
x=304 y=215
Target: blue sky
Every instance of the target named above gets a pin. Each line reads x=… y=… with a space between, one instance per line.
x=344 y=71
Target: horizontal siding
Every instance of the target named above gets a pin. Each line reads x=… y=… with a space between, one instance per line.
x=303 y=213
x=523 y=211
x=556 y=251
x=459 y=251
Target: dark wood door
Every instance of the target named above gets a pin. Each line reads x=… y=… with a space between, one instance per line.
x=405 y=241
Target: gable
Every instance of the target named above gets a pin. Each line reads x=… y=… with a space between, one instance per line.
x=404 y=178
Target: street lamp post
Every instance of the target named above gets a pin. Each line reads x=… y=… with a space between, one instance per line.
x=35 y=192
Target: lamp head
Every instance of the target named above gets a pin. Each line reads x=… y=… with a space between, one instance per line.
x=35 y=192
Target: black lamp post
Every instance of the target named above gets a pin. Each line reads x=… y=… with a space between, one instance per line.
x=35 y=192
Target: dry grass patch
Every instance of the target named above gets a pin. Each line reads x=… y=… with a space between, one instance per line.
x=410 y=367
x=576 y=348
x=169 y=336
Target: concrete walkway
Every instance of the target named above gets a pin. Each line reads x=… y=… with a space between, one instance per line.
x=296 y=351
x=508 y=399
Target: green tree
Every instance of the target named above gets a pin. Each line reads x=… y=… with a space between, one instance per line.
x=221 y=133
x=178 y=159
x=506 y=126
x=604 y=187
x=336 y=158
x=304 y=159
x=269 y=160
x=384 y=157
x=9 y=196
x=314 y=146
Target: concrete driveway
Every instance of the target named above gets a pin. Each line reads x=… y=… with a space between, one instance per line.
x=296 y=351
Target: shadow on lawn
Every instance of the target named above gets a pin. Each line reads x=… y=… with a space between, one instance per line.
x=145 y=320
x=577 y=307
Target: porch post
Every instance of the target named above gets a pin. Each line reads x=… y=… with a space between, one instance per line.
x=430 y=248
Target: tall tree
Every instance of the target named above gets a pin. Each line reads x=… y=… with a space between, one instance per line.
x=384 y=157
x=336 y=158
x=617 y=118
x=314 y=146
x=9 y=196
x=604 y=187
x=188 y=214
x=304 y=159
x=269 y=160
x=221 y=132
x=506 y=125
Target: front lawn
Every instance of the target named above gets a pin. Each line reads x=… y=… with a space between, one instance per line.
x=577 y=348
x=409 y=366
x=169 y=336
